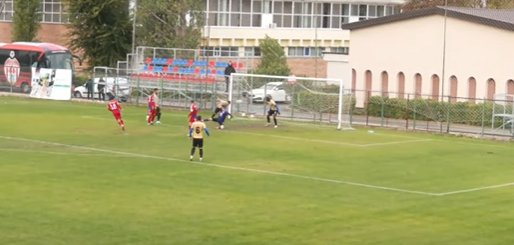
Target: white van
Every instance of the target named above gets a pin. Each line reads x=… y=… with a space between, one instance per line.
x=118 y=86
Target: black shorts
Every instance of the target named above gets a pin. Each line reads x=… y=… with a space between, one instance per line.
x=157 y=110
x=197 y=143
x=272 y=113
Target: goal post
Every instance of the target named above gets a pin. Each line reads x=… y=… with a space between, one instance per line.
x=301 y=99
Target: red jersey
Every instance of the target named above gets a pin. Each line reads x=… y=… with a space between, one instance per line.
x=114 y=106
x=193 y=112
x=151 y=100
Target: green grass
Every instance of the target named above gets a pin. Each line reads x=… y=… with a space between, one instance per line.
x=295 y=185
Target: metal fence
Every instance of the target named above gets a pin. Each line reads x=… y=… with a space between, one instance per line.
x=443 y=114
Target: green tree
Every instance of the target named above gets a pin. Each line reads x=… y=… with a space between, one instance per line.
x=100 y=29
x=492 y=4
x=170 y=24
x=273 y=58
x=26 y=20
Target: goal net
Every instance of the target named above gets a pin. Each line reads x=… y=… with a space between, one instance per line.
x=301 y=99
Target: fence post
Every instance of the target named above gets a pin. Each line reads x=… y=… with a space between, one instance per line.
x=414 y=114
x=382 y=110
x=367 y=106
x=483 y=116
x=292 y=101
x=138 y=94
x=407 y=112
x=448 y=115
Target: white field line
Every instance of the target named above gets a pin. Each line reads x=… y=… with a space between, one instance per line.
x=397 y=142
x=226 y=167
x=56 y=153
x=476 y=189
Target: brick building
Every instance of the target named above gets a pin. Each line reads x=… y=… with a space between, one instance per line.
x=305 y=29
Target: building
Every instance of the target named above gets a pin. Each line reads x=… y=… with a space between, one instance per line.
x=424 y=54
x=305 y=28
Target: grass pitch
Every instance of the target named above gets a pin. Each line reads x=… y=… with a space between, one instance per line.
x=69 y=176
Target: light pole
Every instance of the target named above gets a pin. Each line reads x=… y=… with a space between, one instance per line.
x=316 y=39
x=134 y=15
x=443 y=78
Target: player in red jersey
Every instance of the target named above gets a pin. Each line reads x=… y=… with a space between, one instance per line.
x=193 y=112
x=152 y=107
x=116 y=109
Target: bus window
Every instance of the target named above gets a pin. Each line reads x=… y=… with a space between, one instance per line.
x=27 y=58
x=60 y=60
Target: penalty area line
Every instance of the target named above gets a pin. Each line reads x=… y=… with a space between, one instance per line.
x=227 y=167
x=475 y=189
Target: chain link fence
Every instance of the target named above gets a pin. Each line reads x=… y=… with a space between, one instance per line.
x=444 y=115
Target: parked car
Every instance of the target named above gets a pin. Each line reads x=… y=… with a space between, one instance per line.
x=118 y=86
x=273 y=89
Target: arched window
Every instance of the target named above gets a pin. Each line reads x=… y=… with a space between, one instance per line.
x=385 y=83
x=401 y=85
x=435 y=87
x=454 y=85
x=491 y=88
x=368 y=83
x=472 y=89
x=354 y=80
x=417 y=85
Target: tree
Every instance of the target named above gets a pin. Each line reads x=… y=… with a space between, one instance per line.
x=100 y=29
x=170 y=24
x=26 y=20
x=493 y=4
x=273 y=58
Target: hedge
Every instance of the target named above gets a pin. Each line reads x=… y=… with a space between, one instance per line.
x=431 y=110
x=320 y=103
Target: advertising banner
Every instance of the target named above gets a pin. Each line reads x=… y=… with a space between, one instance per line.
x=52 y=84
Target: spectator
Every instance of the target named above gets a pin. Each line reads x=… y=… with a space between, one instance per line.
x=101 y=89
x=90 y=85
x=228 y=70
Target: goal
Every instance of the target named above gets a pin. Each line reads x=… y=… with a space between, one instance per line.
x=301 y=99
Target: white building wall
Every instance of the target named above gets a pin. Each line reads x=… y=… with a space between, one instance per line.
x=416 y=46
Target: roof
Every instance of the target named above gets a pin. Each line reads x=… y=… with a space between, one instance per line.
x=498 y=18
x=36 y=46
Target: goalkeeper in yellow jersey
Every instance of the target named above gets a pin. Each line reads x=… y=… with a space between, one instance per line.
x=273 y=111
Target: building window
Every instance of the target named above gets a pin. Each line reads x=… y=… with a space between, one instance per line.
x=340 y=50
x=290 y=14
x=225 y=51
x=7 y=10
x=305 y=51
x=252 y=52
x=53 y=11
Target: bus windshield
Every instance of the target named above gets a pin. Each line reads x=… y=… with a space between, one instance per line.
x=60 y=61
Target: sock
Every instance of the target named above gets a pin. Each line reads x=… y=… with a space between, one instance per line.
x=201 y=152
x=193 y=151
x=159 y=117
x=189 y=128
x=267 y=118
x=275 y=120
x=122 y=123
x=150 y=118
x=213 y=115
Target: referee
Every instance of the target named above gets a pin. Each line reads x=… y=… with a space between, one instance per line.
x=220 y=106
x=196 y=134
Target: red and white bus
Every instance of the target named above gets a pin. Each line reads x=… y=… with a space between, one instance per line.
x=20 y=60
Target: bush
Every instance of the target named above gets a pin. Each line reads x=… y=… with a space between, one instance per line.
x=432 y=110
x=79 y=80
x=321 y=103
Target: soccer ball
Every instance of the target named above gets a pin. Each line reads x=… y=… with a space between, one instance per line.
x=251 y=116
x=243 y=114
x=221 y=127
